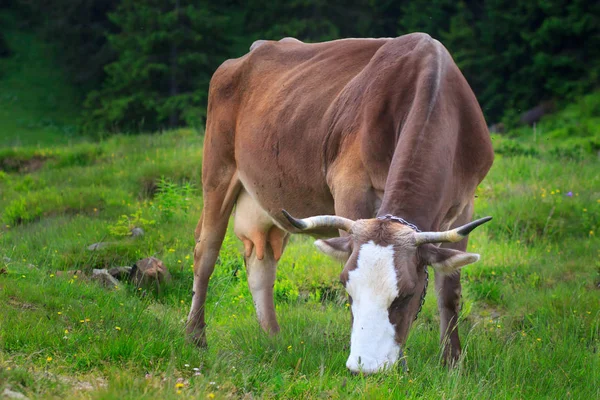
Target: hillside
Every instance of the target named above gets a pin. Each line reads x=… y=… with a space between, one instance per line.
x=530 y=319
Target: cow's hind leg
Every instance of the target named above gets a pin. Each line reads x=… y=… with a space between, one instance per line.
x=211 y=229
x=448 y=289
x=263 y=246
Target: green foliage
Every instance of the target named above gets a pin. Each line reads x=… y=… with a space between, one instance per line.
x=508 y=147
x=79 y=29
x=572 y=133
x=37 y=103
x=172 y=198
x=126 y=223
x=166 y=53
x=285 y=290
x=516 y=54
x=5 y=50
x=146 y=65
x=33 y=205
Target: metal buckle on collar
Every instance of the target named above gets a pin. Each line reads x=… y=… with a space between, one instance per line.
x=401 y=220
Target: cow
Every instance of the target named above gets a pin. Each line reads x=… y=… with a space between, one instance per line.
x=376 y=144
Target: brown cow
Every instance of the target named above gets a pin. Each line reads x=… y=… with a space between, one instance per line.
x=359 y=128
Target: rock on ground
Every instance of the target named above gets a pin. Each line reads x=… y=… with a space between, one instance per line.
x=104 y=278
x=98 y=246
x=150 y=271
x=9 y=394
x=135 y=232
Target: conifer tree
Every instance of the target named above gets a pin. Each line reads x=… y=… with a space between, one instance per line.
x=166 y=54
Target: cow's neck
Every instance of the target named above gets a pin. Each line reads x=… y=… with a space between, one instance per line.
x=418 y=180
x=414 y=214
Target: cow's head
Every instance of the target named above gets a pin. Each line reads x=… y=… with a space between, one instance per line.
x=385 y=277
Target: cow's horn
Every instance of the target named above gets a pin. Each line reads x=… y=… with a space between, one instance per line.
x=321 y=221
x=455 y=235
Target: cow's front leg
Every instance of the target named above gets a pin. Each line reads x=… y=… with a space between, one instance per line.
x=448 y=290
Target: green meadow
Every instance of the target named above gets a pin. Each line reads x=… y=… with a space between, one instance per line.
x=530 y=319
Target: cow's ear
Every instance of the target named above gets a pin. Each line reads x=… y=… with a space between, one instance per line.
x=445 y=260
x=339 y=248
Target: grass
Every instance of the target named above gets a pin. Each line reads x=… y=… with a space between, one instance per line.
x=530 y=319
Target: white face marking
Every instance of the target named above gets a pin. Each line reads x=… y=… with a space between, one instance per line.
x=373 y=286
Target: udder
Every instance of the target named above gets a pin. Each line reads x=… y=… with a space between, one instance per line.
x=256 y=229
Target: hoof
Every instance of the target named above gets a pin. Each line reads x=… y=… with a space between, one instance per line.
x=451 y=359
x=197 y=337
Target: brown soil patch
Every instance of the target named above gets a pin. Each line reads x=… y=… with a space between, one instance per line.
x=10 y=164
x=19 y=304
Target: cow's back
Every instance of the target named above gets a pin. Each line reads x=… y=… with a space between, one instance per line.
x=284 y=111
